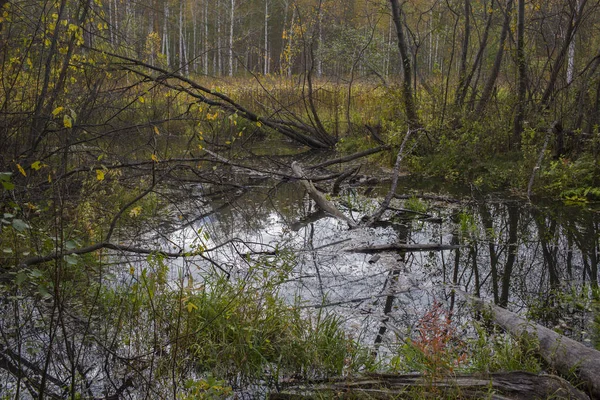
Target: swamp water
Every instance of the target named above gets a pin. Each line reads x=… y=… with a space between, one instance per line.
x=539 y=261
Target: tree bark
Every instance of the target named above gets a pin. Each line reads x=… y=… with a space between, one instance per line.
x=462 y=72
x=462 y=91
x=231 y=22
x=496 y=386
x=407 y=92
x=491 y=82
x=522 y=75
x=565 y=355
x=574 y=22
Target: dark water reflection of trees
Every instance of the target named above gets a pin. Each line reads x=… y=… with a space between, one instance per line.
x=541 y=261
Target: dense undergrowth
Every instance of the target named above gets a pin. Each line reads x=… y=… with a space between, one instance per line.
x=459 y=147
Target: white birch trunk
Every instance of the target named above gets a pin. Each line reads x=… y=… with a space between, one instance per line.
x=571 y=54
x=266 y=65
x=165 y=36
x=180 y=36
x=318 y=53
x=184 y=45
x=219 y=60
x=195 y=38
x=290 y=42
x=205 y=39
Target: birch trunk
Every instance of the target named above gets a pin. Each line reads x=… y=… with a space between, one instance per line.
x=231 y=22
x=266 y=65
x=165 y=36
x=205 y=39
x=180 y=36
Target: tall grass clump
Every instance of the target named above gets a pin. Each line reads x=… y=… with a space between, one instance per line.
x=247 y=335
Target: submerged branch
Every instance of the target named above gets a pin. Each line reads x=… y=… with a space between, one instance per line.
x=407 y=248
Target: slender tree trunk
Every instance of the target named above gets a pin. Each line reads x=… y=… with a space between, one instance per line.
x=165 y=36
x=266 y=65
x=231 y=22
x=194 y=52
x=575 y=21
x=491 y=82
x=205 y=39
x=462 y=71
x=290 y=56
x=38 y=120
x=571 y=63
x=184 y=45
x=522 y=75
x=407 y=93
x=180 y=36
x=219 y=59
x=320 y=42
x=111 y=24
x=462 y=92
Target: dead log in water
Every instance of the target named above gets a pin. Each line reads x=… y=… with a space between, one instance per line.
x=567 y=356
x=407 y=248
x=500 y=386
x=319 y=198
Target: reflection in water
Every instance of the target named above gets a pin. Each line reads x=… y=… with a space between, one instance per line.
x=540 y=262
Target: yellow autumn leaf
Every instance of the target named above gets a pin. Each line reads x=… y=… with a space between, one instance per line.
x=49 y=178
x=135 y=211
x=228 y=142
x=99 y=174
x=67 y=121
x=21 y=170
x=141 y=99
x=156 y=131
x=154 y=158
x=258 y=123
x=36 y=165
x=191 y=307
x=57 y=111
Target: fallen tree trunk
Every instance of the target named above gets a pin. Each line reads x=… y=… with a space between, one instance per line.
x=407 y=248
x=500 y=386
x=566 y=356
x=319 y=198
